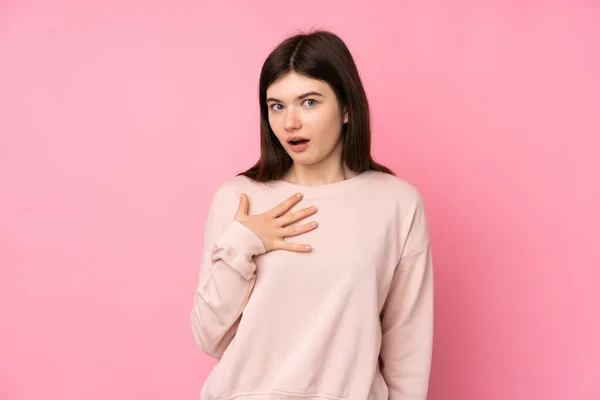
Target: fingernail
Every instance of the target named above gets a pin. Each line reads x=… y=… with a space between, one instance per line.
x=298 y=195
x=307 y=247
x=313 y=208
x=314 y=223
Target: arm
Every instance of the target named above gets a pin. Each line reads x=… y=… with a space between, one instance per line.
x=407 y=317
x=226 y=276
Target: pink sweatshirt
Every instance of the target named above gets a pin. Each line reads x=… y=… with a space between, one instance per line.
x=352 y=319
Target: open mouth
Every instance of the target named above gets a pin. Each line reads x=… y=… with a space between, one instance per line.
x=298 y=144
x=298 y=141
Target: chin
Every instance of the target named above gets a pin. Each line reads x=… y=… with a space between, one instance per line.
x=305 y=160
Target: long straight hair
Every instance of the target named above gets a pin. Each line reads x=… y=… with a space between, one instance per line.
x=324 y=56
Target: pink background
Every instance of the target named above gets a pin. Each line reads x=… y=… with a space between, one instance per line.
x=118 y=122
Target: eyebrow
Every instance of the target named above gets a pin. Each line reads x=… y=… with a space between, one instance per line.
x=302 y=96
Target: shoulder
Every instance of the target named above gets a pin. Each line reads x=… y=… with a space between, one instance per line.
x=393 y=187
x=228 y=193
x=224 y=205
x=403 y=205
x=234 y=185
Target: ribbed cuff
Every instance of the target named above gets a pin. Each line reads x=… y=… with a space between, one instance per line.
x=241 y=244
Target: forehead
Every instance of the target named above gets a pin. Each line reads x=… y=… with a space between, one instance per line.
x=292 y=84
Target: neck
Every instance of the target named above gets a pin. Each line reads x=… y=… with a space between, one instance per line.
x=325 y=172
x=329 y=170
x=307 y=175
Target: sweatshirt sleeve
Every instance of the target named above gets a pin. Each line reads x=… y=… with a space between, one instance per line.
x=227 y=275
x=407 y=317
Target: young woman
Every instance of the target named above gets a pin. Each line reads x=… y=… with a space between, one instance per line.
x=335 y=306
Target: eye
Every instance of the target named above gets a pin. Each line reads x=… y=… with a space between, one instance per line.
x=274 y=107
x=313 y=102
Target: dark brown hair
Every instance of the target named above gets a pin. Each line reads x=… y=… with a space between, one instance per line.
x=319 y=55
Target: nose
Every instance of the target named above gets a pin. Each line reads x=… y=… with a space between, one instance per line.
x=291 y=121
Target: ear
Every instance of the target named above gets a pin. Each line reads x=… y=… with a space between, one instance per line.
x=345 y=116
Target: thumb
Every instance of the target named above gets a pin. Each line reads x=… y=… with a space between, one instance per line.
x=243 y=206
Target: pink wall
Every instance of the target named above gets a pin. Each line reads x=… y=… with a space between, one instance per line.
x=119 y=121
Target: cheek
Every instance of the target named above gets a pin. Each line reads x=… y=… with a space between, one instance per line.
x=328 y=124
x=275 y=126
x=277 y=129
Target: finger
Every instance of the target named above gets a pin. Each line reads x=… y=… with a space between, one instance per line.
x=283 y=207
x=290 y=246
x=292 y=217
x=243 y=206
x=298 y=229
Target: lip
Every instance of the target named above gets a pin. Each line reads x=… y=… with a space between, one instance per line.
x=296 y=148
x=296 y=138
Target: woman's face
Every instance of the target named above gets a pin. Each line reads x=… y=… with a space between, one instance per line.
x=307 y=109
